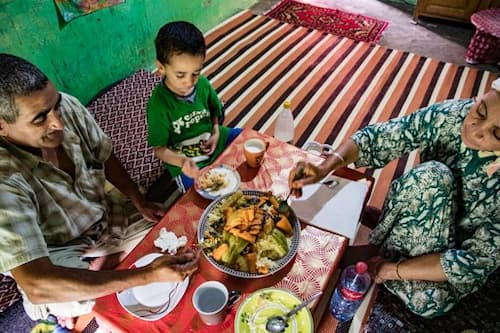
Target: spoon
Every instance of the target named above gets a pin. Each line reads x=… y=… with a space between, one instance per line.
x=283 y=206
x=277 y=324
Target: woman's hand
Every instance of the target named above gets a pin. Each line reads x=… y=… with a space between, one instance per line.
x=302 y=174
x=382 y=269
x=189 y=168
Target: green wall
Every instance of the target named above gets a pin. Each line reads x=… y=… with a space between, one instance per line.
x=91 y=52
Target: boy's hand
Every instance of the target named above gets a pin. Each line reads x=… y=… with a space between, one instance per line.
x=208 y=147
x=190 y=169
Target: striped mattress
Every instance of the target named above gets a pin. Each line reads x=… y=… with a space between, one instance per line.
x=336 y=85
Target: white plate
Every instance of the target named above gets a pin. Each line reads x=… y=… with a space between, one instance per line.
x=231 y=176
x=162 y=290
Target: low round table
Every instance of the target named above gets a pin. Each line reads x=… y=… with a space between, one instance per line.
x=484 y=46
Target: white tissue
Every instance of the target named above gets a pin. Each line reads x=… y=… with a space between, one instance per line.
x=168 y=241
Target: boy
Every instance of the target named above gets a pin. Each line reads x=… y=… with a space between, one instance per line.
x=184 y=111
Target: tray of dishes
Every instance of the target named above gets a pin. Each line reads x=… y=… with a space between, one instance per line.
x=244 y=235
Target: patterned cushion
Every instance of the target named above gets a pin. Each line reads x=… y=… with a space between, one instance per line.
x=121 y=113
x=8 y=292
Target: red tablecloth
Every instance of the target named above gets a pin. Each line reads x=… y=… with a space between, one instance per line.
x=318 y=255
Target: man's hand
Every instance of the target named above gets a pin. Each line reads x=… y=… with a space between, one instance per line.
x=190 y=169
x=150 y=211
x=178 y=267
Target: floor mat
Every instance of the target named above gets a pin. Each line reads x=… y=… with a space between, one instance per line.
x=476 y=312
x=336 y=85
x=334 y=21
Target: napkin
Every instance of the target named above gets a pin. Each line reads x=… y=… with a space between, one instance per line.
x=336 y=208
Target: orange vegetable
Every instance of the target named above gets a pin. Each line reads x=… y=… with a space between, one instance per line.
x=285 y=225
x=252 y=262
x=219 y=251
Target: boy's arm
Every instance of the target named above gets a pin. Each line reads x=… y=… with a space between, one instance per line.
x=187 y=165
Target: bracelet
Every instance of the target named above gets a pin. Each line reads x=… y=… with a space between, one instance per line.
x=397 y=269
x=338 y=156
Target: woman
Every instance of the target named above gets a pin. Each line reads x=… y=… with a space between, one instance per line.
x=439 y=231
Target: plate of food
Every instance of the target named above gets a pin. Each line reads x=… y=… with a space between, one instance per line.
x=244 y=235
x=152 y=301
x=257 y=308
x=217 y=181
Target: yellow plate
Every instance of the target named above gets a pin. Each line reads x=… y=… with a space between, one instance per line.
x=253 y=313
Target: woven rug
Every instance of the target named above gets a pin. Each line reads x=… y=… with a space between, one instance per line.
x=334 y=21
x=336 y=85
x=477 y=312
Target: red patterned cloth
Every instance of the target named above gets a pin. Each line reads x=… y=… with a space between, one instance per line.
x=484 y=46
x=355 y=26
x=318 y=255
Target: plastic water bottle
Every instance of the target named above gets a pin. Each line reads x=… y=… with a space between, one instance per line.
x=284 y=127
x=350 y=291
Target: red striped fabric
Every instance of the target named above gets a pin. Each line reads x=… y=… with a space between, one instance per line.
x=336 y=85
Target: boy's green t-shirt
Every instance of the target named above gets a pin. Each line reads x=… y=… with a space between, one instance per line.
x=180 y=125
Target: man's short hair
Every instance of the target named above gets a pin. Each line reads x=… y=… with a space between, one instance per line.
x=18 y=77
x=177 y=38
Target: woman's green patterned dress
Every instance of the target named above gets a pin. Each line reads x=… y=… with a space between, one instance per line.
x=447 y=204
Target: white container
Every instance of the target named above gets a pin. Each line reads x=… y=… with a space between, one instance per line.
x=284 y=127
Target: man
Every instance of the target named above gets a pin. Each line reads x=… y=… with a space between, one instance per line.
x=54 y=161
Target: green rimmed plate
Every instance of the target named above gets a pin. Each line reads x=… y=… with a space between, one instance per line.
x=253 y=313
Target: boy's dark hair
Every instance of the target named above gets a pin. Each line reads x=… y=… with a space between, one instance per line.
x=178 y=37
x=18 y=77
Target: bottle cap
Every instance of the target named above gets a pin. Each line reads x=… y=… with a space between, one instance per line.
x=361 y=267
x=287 y=104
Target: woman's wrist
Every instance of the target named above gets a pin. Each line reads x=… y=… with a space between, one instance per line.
x=388 y=271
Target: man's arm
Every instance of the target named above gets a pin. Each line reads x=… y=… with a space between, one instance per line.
x=119 y=177
x=44 y=282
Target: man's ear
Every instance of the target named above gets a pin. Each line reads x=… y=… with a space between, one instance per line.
x=160 y=67
x=3 y=127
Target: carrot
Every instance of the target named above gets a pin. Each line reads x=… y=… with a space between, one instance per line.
x=285 y=225
x=219 y=251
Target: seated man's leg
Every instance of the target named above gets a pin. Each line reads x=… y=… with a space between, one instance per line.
x=71 y=256
x=419 y=218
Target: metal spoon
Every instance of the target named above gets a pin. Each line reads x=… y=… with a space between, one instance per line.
x=277 y=324
x=283 y=206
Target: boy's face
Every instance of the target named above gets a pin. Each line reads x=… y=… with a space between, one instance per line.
x=181 y=72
